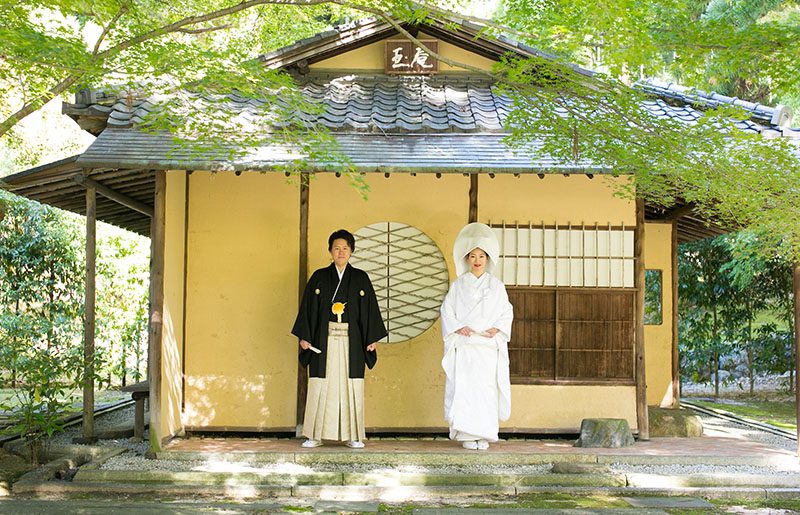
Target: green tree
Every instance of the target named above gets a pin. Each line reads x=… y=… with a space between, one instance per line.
x=726 y=286
x=740 y=47
x=122 y=279
x=41 y=292
x=707 y=320
x=200 y=49
x=760 y=284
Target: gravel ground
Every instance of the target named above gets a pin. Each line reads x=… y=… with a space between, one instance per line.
x=772 y=440
x=131 y=462
x=134 y=459
x=106 y=421
x=770 y=383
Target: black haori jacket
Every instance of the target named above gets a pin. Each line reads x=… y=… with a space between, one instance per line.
x=365 y=324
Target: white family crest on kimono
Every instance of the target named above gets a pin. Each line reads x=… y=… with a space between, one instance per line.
x=478 y=386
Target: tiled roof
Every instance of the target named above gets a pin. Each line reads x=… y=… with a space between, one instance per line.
x=385 y=104
x=407 y=104
x=770 y=121
x=437 y=153
x=357 y=103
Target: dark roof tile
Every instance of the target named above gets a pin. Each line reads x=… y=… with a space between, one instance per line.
x=695 y=99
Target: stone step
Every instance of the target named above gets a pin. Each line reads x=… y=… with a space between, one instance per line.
x=395 y=478
x=374 y=478
x=388 y=494
x=432 y=459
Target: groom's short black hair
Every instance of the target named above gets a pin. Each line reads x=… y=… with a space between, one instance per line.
x=342 y=234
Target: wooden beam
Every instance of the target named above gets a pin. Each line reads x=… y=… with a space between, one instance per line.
x=89 y=316
x=157 y=238
x=473 y=198
x=114 y=195
x=642 y=420
x=302 y=279
x=67 y=190
x=678 y=212
x=676 y=378
x=796 y=280
x=185 y=287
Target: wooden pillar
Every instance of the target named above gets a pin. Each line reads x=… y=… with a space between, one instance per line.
x=473 y=197
x=185 y=287
x=302 y=279
x=676 y=377
x=796 y=275
x=156 y=307
x=89 y=315
x=642 y=420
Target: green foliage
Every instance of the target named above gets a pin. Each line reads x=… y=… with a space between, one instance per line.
x=190 y=57
x=738 y=178
x=725 y=283
x=735 y=177
x=653 y=293
x=121 y=312
x=706 y=320
x=707 y=44
x=40 y=310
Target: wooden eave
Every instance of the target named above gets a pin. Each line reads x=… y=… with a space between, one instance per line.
x=55 y=184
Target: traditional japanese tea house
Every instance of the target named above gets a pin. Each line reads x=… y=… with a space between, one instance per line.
x=232 y=247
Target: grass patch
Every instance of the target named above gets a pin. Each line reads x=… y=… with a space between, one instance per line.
x=790 y=505
x=526 y=501
x=566 y=501
x=76 y=398
x=778 y=413
x=563 y=501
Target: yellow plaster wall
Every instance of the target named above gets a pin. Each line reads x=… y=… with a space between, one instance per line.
x=242 y=284
x=559 y=199
x=406 y=387
x=172 y=332
x=555 y=198
x=658 y=338
x=370 y=57
x=563 y=407
x=241 y=361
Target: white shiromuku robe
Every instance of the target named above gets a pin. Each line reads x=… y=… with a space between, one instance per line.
x=478 y=387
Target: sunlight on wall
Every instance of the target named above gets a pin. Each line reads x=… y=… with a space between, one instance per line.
x=172 y=332
x=658 y=338
x=241 y=361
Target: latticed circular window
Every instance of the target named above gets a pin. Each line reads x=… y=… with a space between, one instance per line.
x=409 y=275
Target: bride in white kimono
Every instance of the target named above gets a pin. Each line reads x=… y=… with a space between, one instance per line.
x=476 y=326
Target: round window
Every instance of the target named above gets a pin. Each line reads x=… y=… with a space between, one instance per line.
x=408 y=272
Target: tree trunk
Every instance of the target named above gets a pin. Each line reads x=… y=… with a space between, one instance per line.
x=750 y=353
x=715 y=353
x=14 y=370
x=124 y=366
x=137 y=375
x=50 y=310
